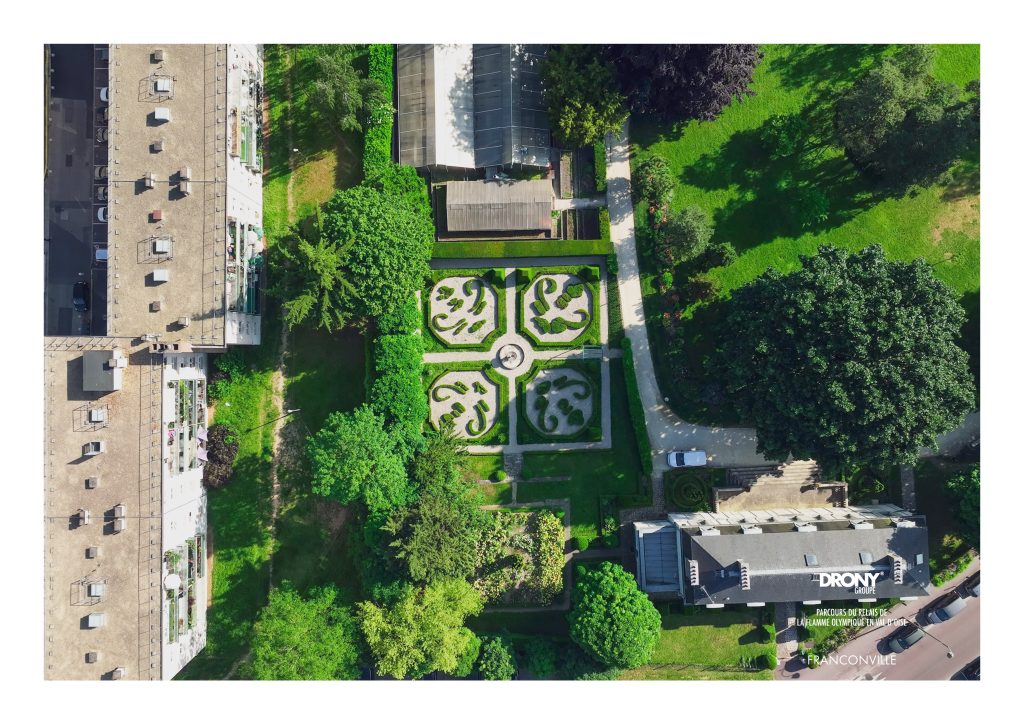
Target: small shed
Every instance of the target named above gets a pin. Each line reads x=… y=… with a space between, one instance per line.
x=498 y=205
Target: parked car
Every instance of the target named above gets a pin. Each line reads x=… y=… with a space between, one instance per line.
x=105 y=94
x=100 y=172
x=80 y=296
x=972 y=585
x=905 y=637
x=687 y=458
x=101 y=214
x=946 y=607
x=971 y=672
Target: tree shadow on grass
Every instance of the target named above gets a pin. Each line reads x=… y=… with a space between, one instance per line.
x=823 y=67
x=970 y=335
x=781 y=193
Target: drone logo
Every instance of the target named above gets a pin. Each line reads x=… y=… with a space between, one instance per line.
x=862 y=583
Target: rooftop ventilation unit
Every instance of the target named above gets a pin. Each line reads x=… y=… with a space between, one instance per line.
x=163 y=85
x=161 y=275
x=185 y=174
x=810 y=559
x=84 y=516
x=162 y=245
x=156 y=306
x=708 y=530
x=693 y=572
x=162 y=114
x=156 y=215
x=897 y=570
x=118 y=359
x=184 y=321
x=95 y=620
x=861 y=525
x=158 y=55
x=158 y=145
x=92 y=552
x=92 y=483
x=805 y=528
x=94 y=448
x=186 y=188
x=149 y=180
x=119 y=510
x=92 y=657
x=744 y=576
x=118 y=673
x=120 y=524
x=96 y=590
x=98 y=414
x=751 y=530
x=865 y=558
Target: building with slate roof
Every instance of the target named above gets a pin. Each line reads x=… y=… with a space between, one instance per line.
x=861 y=553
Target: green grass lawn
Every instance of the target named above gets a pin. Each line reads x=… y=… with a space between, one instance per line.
x=325 y=373
x=706 y=645
x=483 y=467
x=722 y=168
x=592 y=474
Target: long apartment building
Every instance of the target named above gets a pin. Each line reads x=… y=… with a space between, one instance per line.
x=160 y=147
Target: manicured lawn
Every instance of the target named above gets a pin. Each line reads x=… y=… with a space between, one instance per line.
x=325 y=373
x=592 y=474
x=722 y=167
x=483 y=467
x=496 y=493
x=706 y=645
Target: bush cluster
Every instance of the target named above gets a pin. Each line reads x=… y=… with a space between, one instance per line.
x=377 y=137
x=396 y=392
x=221 y=448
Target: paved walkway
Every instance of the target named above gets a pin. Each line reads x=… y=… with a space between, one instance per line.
x=595 y=202
x=726 y=447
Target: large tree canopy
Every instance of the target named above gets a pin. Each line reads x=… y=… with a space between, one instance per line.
x=497 y=662
x=681 y=82
x=582 y=94
x=612 y=619
x=851 y=359
x=370 y=255
x=422 y=631
x=304 y=638
x=345 y=100
x=353 y=457
x=900 y=123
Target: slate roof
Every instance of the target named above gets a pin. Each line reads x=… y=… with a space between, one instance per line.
x=498 y=205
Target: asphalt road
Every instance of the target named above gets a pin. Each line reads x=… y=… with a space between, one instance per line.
x=868 y=658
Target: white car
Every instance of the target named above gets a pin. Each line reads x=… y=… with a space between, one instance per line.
x=105 y=94
x=101 y=214
x=687 y=458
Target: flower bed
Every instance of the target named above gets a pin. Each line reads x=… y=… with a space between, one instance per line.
x=521 y=559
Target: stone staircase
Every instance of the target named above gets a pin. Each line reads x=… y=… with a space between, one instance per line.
x=796 y=472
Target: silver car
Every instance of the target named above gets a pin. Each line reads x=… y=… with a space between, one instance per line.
x=687 y=458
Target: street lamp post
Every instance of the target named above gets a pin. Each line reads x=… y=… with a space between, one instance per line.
x=949 y=651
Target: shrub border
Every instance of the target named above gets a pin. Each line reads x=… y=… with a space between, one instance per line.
x=497 y=435
x=636 y=409
x=529 y=433
x=498 y=249
x=590 y=336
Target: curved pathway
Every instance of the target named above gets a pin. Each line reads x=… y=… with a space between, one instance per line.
x=726 y=446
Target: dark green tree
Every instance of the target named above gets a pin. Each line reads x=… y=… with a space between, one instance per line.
x=310 y=638
x=344 y=99
x=582 y=95
x=541 y=657
x=684 y=236
x=368 y=257
x=653 y=181
x=422 y=630
x=852 y=359
x=353 y=457
x=964 y=491
x=681 y=82
x=496 y=662
x=612 y=619
x=899 y=123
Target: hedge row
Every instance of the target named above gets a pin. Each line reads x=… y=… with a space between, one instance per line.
x=600 y=167
x=396 y=393
x=514 y=249
x=636 y=408
x=377 y=138
x=605 y=224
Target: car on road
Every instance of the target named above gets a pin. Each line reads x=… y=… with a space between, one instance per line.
x=971 y=672
x=946 y=607
x=905 y=637
x=972 y=585
x=80 y=296
x=687 y=458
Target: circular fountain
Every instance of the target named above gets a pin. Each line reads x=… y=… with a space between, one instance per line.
x=511 y=356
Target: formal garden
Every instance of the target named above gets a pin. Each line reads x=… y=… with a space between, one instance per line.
x=505 y=349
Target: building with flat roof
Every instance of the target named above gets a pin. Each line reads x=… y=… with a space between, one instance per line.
x=174 y=182
x=499 y=206
x=810 y=555
x=472 y=106
x=184 y=217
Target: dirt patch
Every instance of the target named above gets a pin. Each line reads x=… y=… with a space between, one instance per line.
x=331 y=515
x=962 y=215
